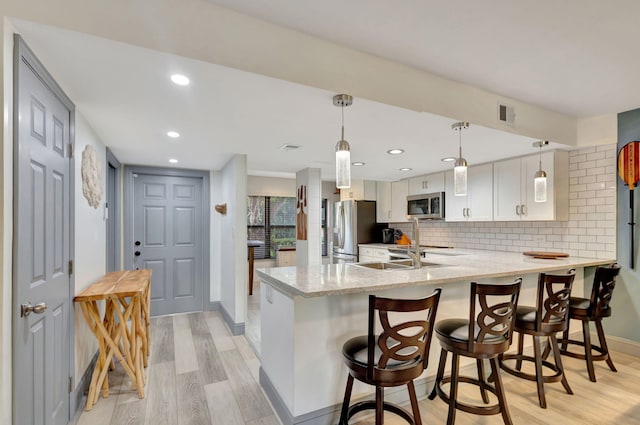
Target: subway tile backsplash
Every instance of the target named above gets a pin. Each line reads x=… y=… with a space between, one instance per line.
x=589 y=232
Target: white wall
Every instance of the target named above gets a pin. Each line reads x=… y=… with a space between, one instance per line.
x=90 y=241
x=6 y=218
x=270 y=186
x=233 y=234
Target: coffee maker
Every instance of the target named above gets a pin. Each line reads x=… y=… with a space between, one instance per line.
x=390 y=235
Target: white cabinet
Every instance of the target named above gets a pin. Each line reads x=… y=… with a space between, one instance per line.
x=513 y=187
x=361 y=190
x=399 y=191
x=372 y=253
x=383 y=202
x=426 y=184
x=477 y=205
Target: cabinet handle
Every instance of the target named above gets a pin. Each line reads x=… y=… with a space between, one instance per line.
x=389 y=214
x=468 y=212
x=523 y=208
x=517 y=209
x=425 y=184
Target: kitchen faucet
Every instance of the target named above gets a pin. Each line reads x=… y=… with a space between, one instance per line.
x=415 y=255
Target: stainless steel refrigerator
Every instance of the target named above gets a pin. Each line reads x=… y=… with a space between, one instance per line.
x=354 y=223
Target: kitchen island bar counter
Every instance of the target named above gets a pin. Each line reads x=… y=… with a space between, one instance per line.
x=454 y=265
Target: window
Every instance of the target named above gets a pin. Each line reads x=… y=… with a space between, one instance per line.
x=271 y=219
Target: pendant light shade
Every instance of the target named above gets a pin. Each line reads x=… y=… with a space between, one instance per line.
x=540 y=177
x=343 y=150
x=460 y=167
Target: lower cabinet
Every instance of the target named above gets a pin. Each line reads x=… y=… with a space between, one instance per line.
x=367 y=254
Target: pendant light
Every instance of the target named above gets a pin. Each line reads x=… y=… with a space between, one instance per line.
x=343 y=154
x=460 y=166
x=540 y=178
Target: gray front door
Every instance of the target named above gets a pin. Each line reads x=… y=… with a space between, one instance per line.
x=41 y=245
x=168 y=238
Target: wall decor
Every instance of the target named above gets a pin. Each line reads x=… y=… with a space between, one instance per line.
x=91 y=181
x=301 y=214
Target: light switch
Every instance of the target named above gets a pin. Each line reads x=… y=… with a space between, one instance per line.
x=268 y=294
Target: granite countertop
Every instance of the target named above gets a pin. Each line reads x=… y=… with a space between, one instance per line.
x=454 y=265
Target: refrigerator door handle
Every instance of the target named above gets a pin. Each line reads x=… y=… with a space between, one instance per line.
x=341 y=228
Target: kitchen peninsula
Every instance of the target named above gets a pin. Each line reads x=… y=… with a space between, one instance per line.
x=308 y=312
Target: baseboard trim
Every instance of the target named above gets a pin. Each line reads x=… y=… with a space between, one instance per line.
x=623 y=345
x=330 y=415
x=236 y=328
x=77 y=397
x=212 y=306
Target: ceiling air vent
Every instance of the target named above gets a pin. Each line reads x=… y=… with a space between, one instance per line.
x=506 y=114
x=289 y=147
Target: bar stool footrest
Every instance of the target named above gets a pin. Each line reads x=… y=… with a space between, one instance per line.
x=371 y=405
x=557 y=373
x=596 y=357
x=493 y=409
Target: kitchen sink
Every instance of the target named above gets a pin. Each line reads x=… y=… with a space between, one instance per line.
x=394 y=265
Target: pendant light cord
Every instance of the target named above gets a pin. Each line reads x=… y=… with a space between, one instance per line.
x=342 y=109
x=460 y=142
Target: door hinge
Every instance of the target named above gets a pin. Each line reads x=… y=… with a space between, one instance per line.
x=70 y=267
x=70 y=384
x=70 y=150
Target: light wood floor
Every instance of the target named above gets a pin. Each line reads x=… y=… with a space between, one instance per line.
x=200 y=374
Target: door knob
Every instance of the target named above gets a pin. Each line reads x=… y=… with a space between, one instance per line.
x=137 y=253
x=137 y=243
x=27 y=308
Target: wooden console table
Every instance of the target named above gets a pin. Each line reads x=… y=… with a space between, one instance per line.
x=123 y=332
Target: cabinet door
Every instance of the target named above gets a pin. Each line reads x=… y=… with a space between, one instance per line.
x=399 y=191
x=383 y=202
x=426 y=184
x=480 y=193
x=537 y=210
x=454 y=206
x=506 y=190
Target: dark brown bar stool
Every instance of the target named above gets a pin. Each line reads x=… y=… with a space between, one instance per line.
x=593 y=310
x=395 y=357
x=491 y=331
x=548 y=317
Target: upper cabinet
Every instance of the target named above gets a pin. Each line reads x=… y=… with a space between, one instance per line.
x=513 y=186
x=360 y=190
x=383 y=202
x=477 y=205
x=426 y=184
x=399 y=192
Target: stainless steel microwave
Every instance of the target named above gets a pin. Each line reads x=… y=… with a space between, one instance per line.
x=427 y=206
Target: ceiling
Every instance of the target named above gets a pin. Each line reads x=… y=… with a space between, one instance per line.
x=225 y=111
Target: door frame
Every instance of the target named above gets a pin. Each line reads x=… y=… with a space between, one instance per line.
x=115 y=210
x=21 y=49
x=129 y=171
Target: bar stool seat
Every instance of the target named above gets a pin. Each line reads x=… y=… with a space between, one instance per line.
x=482 y=336
x=593 y=309
x=394 y=357
x=548 y=317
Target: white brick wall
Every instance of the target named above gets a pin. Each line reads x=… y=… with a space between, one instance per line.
x=590 y=231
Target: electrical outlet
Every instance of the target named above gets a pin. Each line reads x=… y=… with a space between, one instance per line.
x=268 y=293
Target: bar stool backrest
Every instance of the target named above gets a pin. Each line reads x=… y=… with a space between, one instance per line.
x=552 y=303
x=401 y=344
x=495 y=321
x=604 y=282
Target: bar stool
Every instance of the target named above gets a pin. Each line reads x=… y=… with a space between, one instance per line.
x=548 y=317
x=395 y=357
x=483 y=336
x=593 y=310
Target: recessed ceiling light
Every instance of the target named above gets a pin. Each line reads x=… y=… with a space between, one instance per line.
x=448 y=159
x=357 y=164
x=406 y=169
x=173 y=134
x=395 y=151
x=180 y=79
x=173 y=161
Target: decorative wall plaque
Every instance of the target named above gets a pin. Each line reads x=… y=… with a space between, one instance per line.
x=91 y=181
